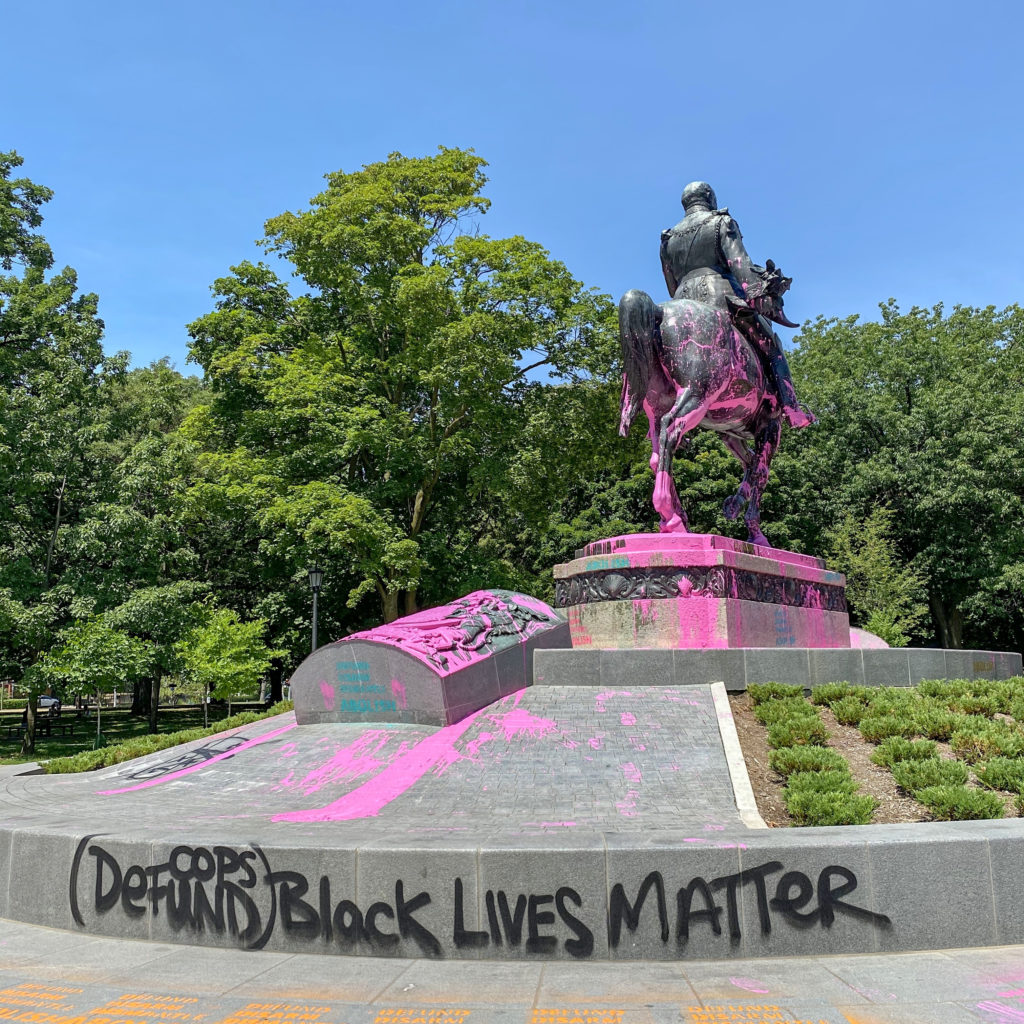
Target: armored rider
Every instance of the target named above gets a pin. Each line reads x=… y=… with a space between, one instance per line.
x=703 y=258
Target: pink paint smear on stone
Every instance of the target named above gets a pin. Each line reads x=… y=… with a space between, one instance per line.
x=1004 y=1014
x=203 y=764
x=398 y=692
x=436 y=753
x=1012 y=992
x=549 y=824
x=750 y=985
x=351 y=762
x=327 y=692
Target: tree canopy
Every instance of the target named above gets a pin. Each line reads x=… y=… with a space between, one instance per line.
x=427 y=410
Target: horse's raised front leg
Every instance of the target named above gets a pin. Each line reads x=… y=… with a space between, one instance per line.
x=687 y=411
x=765 y=444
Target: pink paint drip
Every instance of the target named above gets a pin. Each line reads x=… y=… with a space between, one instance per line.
x=327 y=692
x=398 y=692
x=203 y=764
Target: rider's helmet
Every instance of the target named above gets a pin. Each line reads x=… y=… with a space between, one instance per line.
x=699 y=193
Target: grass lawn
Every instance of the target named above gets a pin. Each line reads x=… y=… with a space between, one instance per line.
x=117 y=725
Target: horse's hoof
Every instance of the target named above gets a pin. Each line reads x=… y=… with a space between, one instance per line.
x=675 y=525
x=732 y=507
x=798 y=418
x=758 y=540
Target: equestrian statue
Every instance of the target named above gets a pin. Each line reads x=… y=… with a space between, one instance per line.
x=709 y=358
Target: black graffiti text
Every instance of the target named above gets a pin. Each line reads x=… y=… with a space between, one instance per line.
x=800 y=902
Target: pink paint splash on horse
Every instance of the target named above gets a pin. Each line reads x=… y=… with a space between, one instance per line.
x=689 y=366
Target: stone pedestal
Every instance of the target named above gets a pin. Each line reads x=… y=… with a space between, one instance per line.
x=699 y=591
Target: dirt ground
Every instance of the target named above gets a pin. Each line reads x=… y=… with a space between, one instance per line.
x=893 y=804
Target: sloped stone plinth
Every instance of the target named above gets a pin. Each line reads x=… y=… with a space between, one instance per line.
x=432 y=668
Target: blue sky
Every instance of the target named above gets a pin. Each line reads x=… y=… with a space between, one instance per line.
x=871 y=149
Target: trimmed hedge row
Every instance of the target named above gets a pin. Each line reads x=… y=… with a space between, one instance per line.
x=90 y=760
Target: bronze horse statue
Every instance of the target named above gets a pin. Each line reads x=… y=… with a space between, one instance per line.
x=690 y=364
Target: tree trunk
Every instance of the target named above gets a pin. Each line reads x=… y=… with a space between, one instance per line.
x=276 y=676
x=154 y=702
x=411 y=606
x=389 y=603
x=949 y=623
x=141 y=697
x=28 y=740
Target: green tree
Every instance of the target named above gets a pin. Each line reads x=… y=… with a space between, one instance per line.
x=94 y=657
x=225 y=656
x=920 y=414
x=386 y=419
x=884 y=596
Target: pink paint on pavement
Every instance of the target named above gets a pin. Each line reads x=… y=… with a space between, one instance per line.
x=750 y=985
x=631 y=772
x=367 y=800
x=1005 y=1014
x=693 y=840
x=595 y=742
x=473 y=746
x=602 y=698
x=1012 y=992
x=518 y=721
x=549 y=824
x=635 y=743
x=627 y=718
x=351 y=762
x=203 y=764
x=398 y=692
x=327 y=692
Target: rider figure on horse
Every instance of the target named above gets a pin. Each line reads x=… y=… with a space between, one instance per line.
x=703 y=258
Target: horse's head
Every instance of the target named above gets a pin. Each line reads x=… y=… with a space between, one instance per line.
x=766 y=297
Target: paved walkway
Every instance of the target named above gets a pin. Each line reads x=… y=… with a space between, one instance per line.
x=55 y=977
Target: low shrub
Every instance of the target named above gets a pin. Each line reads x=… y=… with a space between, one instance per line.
x=892 y=700
x=825 y=693
x=848 y=710
x=899 y=748
x=876 y=728
x=935 y=721
x=788 y=760
x=986 y=704
x=913 y=776
x=979 y=739
x=798 y=732
x=1002 y=773
x=958 y=803
x=831 y=780
x=89 y=760
x=944 y=689
x=812 y=808
x=761 y=692
x=785 y=707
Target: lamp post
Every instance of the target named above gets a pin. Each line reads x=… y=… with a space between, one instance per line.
x=316 y=579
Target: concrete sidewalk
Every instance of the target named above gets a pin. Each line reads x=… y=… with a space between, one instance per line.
x=56 y=977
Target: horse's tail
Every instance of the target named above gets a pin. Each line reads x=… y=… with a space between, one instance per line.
x=638 y=329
